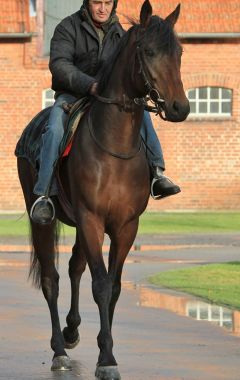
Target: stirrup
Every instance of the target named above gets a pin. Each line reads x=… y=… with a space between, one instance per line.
x=154 y=180
x=39 y=200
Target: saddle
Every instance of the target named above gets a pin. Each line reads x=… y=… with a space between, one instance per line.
x=29 y=144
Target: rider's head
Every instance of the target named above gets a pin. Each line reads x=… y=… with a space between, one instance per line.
x=100 y=10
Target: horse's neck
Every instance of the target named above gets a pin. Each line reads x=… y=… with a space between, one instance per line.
x=113 y=126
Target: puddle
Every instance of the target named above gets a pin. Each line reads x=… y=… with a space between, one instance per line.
x=187 y=306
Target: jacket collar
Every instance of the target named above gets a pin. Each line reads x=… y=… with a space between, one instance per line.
x=89 y=27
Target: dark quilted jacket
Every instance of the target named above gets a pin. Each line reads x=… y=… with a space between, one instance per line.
x=77 y=54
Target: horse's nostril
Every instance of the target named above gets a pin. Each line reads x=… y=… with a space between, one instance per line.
x=176 y=106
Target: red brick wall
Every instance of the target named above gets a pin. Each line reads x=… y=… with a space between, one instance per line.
x=22 y=79
x=201 y=156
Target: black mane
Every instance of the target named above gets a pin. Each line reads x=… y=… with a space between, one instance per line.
x=107 y=67
x=166 y=42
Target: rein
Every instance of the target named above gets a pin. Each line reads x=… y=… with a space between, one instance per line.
x=122 y=156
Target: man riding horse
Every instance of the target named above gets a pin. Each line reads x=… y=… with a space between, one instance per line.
x=80 y=45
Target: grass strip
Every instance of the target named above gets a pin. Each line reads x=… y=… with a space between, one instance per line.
x=150 y=223
x=217 y=283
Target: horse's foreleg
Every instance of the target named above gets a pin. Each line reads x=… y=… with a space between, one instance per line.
x=120 y=246
x=43 y=241
x=77 y=265
x=91 y=237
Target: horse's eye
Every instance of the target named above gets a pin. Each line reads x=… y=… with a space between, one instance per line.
x=149 y=52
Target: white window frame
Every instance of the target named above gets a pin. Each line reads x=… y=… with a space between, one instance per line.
x=197 y=100
x=47 y=101
x=33 y=8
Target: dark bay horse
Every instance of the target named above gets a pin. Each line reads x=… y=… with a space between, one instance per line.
x=106 y=179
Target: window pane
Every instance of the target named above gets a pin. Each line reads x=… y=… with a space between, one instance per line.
x=226 y=107
x=226 y=94
x=192 y=312
x=203 y=107
x=48 y=98
x=214 y=93
x=32 y=7
x=215 y=313
x=191 y=94
x=192 y=107
x=204 y=312
x=214 y=107
x=203 y=93
x=49 y=94
x=48 y=104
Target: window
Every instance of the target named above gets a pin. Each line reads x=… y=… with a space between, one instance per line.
x=47 y=98
x=33 y=10
x=210 y=101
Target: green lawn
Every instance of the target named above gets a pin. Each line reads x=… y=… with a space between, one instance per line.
x=189 y=222
x=150 y=223
x=217 y=283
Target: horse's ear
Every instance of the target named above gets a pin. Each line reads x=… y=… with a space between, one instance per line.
x=145 y=14
x=172 y=18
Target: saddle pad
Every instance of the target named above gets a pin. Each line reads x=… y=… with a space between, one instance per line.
x=29 y=144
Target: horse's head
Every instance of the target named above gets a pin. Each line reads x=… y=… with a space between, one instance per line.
x=158 y=58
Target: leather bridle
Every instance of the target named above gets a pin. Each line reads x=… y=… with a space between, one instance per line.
x=152 y=95
x=126 y=104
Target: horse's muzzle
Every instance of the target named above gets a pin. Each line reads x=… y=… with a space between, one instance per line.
x=177 y=111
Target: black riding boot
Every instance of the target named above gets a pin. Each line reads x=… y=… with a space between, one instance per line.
x=42 y=211
x=161 y=185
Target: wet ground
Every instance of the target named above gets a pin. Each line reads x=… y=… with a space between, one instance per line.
x=158 y=334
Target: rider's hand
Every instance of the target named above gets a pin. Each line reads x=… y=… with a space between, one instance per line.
x=93 y=88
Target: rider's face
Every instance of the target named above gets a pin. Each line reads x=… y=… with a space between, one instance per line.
x=100 y=10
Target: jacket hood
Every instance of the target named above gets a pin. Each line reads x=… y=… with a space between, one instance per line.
x=85 y=14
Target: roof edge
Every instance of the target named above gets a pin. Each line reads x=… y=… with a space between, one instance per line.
x=16 y=35
x=208 y=35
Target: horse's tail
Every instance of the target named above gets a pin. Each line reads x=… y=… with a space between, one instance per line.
x=35 y=266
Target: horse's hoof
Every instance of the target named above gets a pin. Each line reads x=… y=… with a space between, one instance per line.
x=107 y=373
x=70 y=345
x=61 y=363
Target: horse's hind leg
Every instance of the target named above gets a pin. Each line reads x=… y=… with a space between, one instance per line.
x=77 y=265
x=43 y=268
x=43 y=242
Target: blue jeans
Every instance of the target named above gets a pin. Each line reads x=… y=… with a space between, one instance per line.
x=51 y=140
x=53 y=135
x=153 y=147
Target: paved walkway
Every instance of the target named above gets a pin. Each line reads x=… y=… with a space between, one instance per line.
x=152 y=340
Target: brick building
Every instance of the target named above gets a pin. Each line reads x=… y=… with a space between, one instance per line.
x=201 y=154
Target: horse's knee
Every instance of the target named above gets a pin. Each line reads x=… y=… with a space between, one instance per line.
x=102 y=290
x=116 y=290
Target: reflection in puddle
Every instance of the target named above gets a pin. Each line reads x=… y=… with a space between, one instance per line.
x=186 y=306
